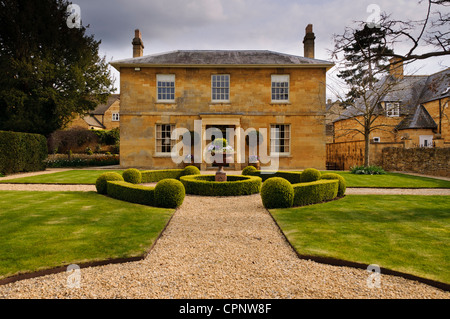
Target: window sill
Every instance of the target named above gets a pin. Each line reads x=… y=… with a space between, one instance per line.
x=280 y=103
x=163 y=155
x=281 y=155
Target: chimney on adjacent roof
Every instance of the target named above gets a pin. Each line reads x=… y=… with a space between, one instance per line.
x=308 y=42
x=396 y=67
x=138 y=45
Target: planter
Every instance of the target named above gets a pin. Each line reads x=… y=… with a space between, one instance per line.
x=226 y=158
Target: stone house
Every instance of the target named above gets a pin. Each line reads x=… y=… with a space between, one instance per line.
x=414 y=113
x=103 y=117
x=232 y=92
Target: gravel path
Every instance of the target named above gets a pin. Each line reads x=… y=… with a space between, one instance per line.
x=220 y=247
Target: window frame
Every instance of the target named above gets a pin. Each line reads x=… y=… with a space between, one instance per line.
x=272 y=139
x=282 y=78
x=165 y=78
x=172 y=143
x=393 y=107
x=213 y=100
x=115 y=117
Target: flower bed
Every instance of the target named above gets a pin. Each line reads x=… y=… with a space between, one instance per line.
x=236 y=185
x=81 y=160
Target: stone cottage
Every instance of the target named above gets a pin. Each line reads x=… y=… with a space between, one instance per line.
x=231 y=92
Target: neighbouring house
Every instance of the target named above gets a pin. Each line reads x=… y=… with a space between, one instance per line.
x=232 y=91
x=414 y=113
x=103 y=117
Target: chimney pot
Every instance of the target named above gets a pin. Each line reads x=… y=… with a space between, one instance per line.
x=138 y=44
x=308 y=42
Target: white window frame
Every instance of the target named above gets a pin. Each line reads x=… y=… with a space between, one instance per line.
x=392 y=109
x=160 y=135
x=279 y=84
x=273 y=138
x=376 y=139
x=165 y=83
x=115 y=117
x=223 y=85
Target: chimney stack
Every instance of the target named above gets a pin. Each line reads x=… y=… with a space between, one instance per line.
x=138 y=45
x=308 y=42
x=396 y=67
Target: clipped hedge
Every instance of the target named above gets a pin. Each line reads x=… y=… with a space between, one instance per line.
x=169 y=193
x=154 y=176
x=277 y=192
x=342 y=182
x=132 y=175
x=22 y=152
x=132 y=193
x=315 y=192
x=292 y=177
x=236 y=185
x=191 y=170
x=310 y=175
x=249 y=170
x=102 y=180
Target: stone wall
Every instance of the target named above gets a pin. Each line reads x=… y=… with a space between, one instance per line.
x=428 y=161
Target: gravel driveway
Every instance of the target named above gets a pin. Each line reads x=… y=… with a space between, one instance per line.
x=221 y=247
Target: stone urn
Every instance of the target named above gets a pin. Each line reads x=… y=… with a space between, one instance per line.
x=226 y=158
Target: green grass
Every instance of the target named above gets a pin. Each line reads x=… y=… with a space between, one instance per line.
x=410 y=234
x=66 y=177
x=41 y=230
x=392 y=180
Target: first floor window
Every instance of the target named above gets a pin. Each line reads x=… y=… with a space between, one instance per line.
x=392 y=109
x=115 y=117
x=280 y=138
x=166 y=87
x=220 y=87
x=164 y=143
x=280 y=88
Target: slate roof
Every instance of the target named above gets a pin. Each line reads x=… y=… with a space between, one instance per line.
x=412 y=92
x=102 y=108
x=222 y=58
x=420 y=119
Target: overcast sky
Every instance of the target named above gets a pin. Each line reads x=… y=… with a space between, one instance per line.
x=279 y=25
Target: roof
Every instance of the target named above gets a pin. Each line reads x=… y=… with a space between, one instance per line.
x=102 y=108
x=91 y=120
x=419 y=119
x=230 y=58
x=412 y=92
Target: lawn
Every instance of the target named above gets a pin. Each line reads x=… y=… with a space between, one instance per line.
x=410 y=234
x=78 y=176
x=390 y=180
x=41 y=230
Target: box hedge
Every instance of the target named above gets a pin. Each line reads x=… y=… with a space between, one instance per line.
x=169 y=193
x=154 y=176
x=277 y=192
x=132 y=175
x=310 y=175
x=22 y=152
x=236 y=185
x=102 y=181
x=315 y=192
x=131 y=193
x=342 y=182
x=292 y=177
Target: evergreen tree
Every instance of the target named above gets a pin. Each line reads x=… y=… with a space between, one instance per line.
x=50 y=70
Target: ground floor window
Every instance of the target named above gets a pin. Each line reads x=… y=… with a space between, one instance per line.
x=164 y=143
x=280 y=139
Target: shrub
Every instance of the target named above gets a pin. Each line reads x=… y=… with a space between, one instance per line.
x=102 y=180
x=76 y=139
x=132 y=175
x=236 y=185
x=292 y=177
x=169 y=193
x=315 y=192
x=132 y=193
x=191 y=170
x=22 y=152
x=158 y=175
x=369 y=170
x=249 y=170
x=310 y=175
x=277 y=192
x=342 y=182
